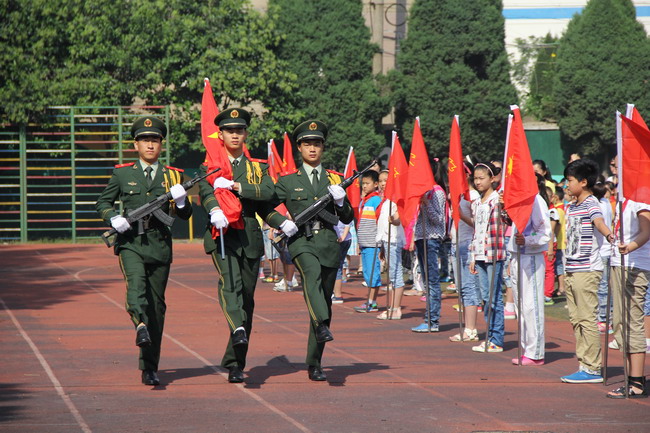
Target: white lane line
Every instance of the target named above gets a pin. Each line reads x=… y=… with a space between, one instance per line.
x=397 y=377
x=55 y=382
x=246 y=391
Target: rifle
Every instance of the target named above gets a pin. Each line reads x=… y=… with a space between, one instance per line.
x=153 y=208
x=317 y=209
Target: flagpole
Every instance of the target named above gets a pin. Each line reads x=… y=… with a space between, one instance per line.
x=607 y=319
x=389 y=307
x=624 y=306
x=459 y=285
x=519 y=304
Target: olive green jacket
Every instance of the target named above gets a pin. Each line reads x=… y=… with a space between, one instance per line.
x=297 y=193
x=128 y=185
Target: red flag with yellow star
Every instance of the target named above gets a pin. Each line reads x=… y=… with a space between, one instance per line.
x=354 y=190
x=633 y=139
x=216 y=157
x=519 y=181
x=456 y=171
x=420 y=178
x=288 y=163
x=397 y=172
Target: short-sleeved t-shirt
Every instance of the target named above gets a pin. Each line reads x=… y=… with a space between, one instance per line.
x=583 y=239
x=639 y=258
x=557 y=214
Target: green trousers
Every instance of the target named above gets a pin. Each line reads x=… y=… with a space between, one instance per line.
x=145 y=301
x=236 y=289
x=318 y=286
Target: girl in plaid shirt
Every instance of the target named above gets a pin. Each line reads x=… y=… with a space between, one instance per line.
x=487 y=251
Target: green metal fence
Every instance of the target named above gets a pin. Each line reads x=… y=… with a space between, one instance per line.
x=52 y=173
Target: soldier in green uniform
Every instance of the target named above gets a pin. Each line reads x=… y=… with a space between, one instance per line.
x=145 y=259
x=243 y=242
x=314 y=249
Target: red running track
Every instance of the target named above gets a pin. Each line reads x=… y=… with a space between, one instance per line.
x=69 y=363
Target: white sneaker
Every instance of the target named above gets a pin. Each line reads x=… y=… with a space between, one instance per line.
x=294 y=281
x=282 y=286
x=613 y=345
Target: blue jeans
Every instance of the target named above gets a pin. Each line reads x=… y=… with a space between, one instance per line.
x=496 y=329
x=432 y=252
x=395 y=271
x=602 y=293
x=469 y=290
x=344 y=246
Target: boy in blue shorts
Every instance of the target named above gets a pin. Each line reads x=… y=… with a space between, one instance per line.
x=367 y=233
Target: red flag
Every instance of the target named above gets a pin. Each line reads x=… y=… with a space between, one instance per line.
x=419 y=180
x=274 y=161
x=397 y=174
x=633 y=140
x=354 y=190
x=246 y=152
x=519 y=181
x=288 y=164
x=456 y=172
x=216 y=156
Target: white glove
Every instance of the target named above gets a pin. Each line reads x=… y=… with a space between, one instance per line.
x=120 y=224
x=218 y=219
x=178 y=194
x=289 y=228
x=338 y=194
x=222 y=182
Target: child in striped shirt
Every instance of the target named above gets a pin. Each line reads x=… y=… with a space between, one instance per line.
x=584 y=268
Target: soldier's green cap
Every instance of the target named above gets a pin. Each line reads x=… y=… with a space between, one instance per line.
x=233 y=118
x=148 y=125
x=310 y=130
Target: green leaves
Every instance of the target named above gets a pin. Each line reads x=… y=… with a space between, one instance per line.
x=602 y=64
x=453 y=61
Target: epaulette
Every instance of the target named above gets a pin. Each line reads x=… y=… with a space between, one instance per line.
x=174 y=168
x=334 y=172
x=128 y=164
x=289 y=172
x=261 y=161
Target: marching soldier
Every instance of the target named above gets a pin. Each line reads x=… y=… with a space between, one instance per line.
x=243 y=241
x=145 y=259
x=314 y=248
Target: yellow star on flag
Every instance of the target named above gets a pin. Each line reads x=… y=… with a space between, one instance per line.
x=511 y=163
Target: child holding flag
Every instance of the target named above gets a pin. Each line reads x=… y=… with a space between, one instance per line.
x=634 y=245
x=531 y=242
x=488 y=252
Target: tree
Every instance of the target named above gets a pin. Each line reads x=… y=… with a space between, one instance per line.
x=328 y=47
x=92 y=52
x=602 y=64
x=534 y=72
x=453 y=61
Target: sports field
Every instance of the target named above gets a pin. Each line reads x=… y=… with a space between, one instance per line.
x=69 y=363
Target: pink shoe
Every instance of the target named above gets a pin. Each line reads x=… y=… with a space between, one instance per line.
x=423 y=298
x=509 y=315
x=527 y=361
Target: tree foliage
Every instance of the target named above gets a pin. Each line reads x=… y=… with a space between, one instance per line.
x=453 y=61
x=602 y=64
x=92 y=52
x=534 y=72
x=328 y=48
